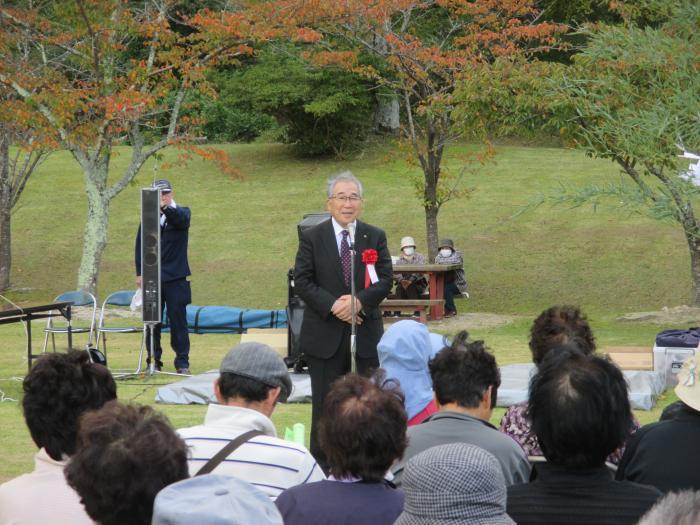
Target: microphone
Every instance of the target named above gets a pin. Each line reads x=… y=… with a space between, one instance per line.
x=351 y=231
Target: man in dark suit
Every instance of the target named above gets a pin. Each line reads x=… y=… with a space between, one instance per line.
x=322 y=280
x=175 y=289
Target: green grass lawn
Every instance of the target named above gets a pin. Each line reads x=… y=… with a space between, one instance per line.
x=243 y=240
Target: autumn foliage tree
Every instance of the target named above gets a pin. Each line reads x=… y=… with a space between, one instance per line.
x=104 y=73
x=23 y=147
x=21 y=152
x=419 y=49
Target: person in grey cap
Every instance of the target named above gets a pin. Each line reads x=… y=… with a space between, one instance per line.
x=456 y=483
x=175 y=289
x=455 y=283
x=214 y=500
x=253 y=379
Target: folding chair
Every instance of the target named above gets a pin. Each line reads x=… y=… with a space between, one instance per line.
x=78 y=298
x=122 y=299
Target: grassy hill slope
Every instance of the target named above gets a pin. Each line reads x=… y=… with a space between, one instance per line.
x=243 y=240
x=243 y=235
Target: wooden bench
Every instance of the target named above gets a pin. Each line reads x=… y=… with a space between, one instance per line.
x=422 y=306
x=631 y=357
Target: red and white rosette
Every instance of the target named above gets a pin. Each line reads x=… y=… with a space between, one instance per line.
x=370 y=258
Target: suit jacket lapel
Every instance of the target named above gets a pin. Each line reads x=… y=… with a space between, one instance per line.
x=331 y=246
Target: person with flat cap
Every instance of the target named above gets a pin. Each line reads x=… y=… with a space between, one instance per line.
x=253 y=378
x=175 y=289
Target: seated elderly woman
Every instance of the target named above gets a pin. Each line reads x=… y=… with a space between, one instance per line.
x=362 y=432
x=455 y=282
x=554 y=329
x=126 y=454
x=404 y=351
x=410 y=285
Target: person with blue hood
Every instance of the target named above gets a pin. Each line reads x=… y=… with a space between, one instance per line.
x=404 y=351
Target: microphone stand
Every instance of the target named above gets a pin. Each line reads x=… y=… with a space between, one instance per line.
x=353 y=313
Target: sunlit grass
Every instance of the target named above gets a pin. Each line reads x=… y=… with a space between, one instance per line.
x=243 y=240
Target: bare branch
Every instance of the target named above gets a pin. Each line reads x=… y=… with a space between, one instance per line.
x=93 y=37
x=22 y=177
x=412 y=130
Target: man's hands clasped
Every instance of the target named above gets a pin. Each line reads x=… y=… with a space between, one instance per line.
x=342 y=309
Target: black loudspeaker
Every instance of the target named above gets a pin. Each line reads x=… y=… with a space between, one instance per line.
x=150 y=254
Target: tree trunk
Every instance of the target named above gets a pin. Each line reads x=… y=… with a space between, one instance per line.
x=694 y=248
x=431 y=211
x=431 y=171
x=5 y=213
x=431 y=227
x=386 y=115
x=95 y=234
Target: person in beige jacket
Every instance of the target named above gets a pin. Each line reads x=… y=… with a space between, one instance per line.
x=57 y=391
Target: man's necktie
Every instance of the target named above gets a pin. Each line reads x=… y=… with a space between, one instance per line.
x=345 y=257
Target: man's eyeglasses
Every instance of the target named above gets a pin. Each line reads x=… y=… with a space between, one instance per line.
x=352 y=199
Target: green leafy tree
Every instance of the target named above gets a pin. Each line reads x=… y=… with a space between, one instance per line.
x=634 y=91
x=320 y=110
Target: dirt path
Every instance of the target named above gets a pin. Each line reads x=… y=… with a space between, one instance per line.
x=472 y=320
x=675 y=315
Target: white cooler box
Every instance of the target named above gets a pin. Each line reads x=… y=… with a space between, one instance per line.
x=669 y=360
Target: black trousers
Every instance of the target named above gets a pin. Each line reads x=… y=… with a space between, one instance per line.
x=175 y=295
x=451 y=291
x=323 y=372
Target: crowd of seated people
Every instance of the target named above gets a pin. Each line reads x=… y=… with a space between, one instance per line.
x=101 y=461
x=552 y=330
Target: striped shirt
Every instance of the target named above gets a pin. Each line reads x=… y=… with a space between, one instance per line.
x=267 y=462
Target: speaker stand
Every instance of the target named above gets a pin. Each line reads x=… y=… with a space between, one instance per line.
x=149 y=370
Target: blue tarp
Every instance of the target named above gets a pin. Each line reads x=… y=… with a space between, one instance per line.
x=229 y=319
